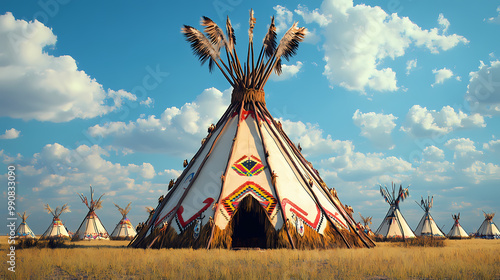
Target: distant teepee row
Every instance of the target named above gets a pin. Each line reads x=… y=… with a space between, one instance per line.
x=394 y=224
x=90 y=229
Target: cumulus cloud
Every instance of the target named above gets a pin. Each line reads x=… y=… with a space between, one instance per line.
x=345 y=164
x=10 y=134
x=492 y=146
x=465 y=152
x=313 y=16
x=40 y=86
x=359 y=38
x=288 y=71
x=495 y=19
x=483 y=91
x=176 y=131
x=480 y=171
x=433 y=153
x=283 y=18
x=410 y=64
x=443 y=22
x=64 y=169
x=442 y=75
x=421 y=122
x=376 y=127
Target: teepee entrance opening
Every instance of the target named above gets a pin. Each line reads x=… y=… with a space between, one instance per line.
x=249 y=225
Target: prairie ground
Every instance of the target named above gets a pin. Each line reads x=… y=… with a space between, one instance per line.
x=459 y=259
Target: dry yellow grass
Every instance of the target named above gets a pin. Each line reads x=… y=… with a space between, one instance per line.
x=459 y=259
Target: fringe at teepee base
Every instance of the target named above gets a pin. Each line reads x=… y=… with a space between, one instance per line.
x=223 y=238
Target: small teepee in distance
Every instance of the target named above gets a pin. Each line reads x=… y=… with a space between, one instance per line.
x=124 y=230
x=394 y=224
x=457 y=231
x=248 y=185
x=91 y=227
x=488 y=228
x=56 y=229
x=23 y=230
x=427 y=226
x=366 y=225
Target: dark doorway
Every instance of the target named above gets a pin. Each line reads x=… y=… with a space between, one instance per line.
x=249 y=225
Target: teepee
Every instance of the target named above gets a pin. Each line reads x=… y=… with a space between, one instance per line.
x=427 y=226
x=366 y=225
x=124 y=230
x=394 y=224
x=457 y=231
x=488 y=228
x=23 y=230
x=91 y=227
x=248 y=185
x=56 y=229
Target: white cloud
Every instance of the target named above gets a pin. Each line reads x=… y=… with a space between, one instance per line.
x=314 y=16
x=283 y=18
x=443 y=22
x=410 y=64
x=37 y=85
x=6 y=159
x=483 y=91
x=360 y=38
x=480 y=171
x=465 y=152
x=63 y=170
x=421 y=122
x=178 y=131
x=287 y=72
x=492 y=146
x=10 y=134
x=495 y=19
x=433 y=153
x=441 y=75
x=356 y=166
x=376 y=127
x=147 y=102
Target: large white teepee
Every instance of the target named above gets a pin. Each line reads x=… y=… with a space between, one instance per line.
x=394 y=224
x=56 y=229
x=124 y=230
x=23 y=230
x=457 y=231
x=248 y=185
x=488 y=228
x=91 y=227
x=427 y=226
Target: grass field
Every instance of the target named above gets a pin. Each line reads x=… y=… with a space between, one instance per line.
x=459 y=259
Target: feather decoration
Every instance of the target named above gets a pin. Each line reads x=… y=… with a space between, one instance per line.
x=201 y=46
x=269 y=42
x=251 y=23
x=123 y=211
x=231 y=38
x=214 y=32
x=290 y=42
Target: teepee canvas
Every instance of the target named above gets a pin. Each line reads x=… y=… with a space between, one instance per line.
x=91 y=227
x=394 y=224
x=457 y=231
x=427 y=226
x=124 y=230
x=56 y=229
x=248 y=185
x=23 y=230
x=488 y=228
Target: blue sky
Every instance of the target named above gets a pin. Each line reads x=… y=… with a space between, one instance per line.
x=111 y=96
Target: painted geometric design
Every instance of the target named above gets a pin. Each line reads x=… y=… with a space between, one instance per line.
x=248 y=166
x=265 y=199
